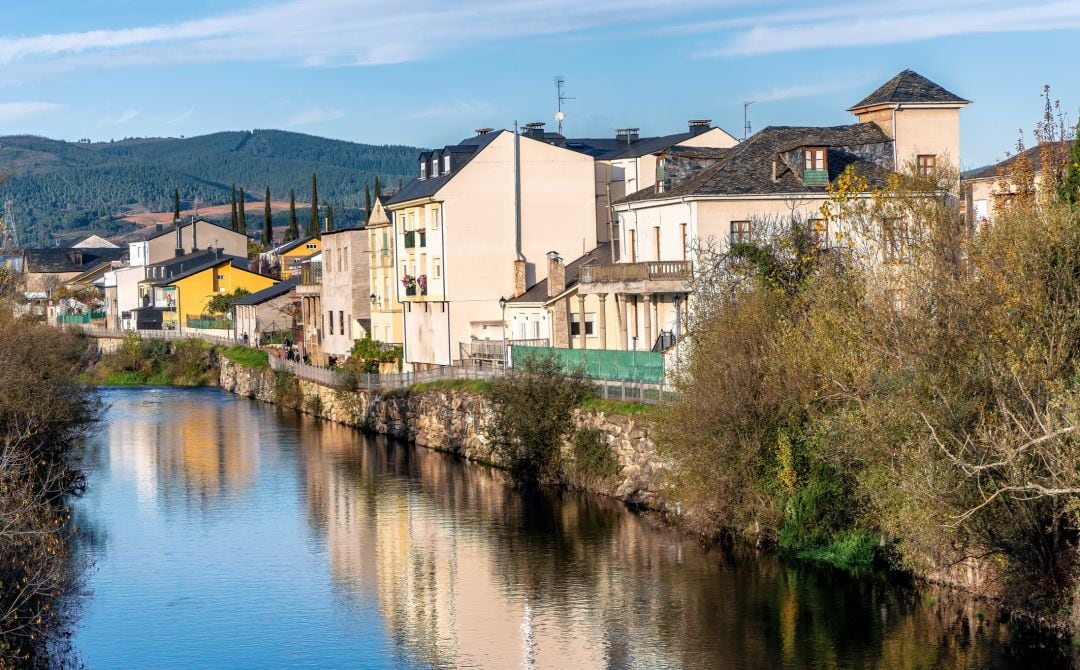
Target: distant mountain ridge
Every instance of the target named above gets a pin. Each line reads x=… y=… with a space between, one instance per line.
x=63 y=189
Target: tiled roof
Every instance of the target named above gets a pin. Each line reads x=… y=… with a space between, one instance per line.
x=1034 y=156
x=747 y=168
x=279 y=289
x=69 y=259
x=538 y=292
x=909 y=87
x=461 y=153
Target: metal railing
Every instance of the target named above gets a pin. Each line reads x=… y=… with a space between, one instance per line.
x=636 y=271
x=371 y=381
x=113 y=333
x=494 y=350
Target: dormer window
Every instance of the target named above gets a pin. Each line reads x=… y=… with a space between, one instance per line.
x=435 y=167
x=815 y=166
x=423 y=170
x=446 y=164
x=814 y=158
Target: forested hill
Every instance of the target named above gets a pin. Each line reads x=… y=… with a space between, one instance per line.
x=59 y=189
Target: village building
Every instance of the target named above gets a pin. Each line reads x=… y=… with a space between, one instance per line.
x=987 y=189
x=346 y=290
x=386 y=309
x=309 y=292
x=288 y=256
x=267 y=316
x=160 y=243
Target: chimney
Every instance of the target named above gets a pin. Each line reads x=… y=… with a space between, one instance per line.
x=698 y=126
x=179 y=241
x=483 y=131
x=519 y=277
x=627 y=135
x=535 y=130
x=158 y=227
x=194 y=237
x=556 y=274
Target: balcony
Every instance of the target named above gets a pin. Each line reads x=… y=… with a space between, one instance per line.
x=311 y=273
x=647 y=277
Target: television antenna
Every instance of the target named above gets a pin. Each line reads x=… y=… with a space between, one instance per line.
x=746 y=117
x=560 y=98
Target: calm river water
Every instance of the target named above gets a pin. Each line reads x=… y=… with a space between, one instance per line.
x=224 y=533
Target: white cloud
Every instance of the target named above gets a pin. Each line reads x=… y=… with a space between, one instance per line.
x=786 y=33
x=457 y=109
x=18 y=112
x=124 y=117
x=181 y=117
x=322 y=33
x=312 y=116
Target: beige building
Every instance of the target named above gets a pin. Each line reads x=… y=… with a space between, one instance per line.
x=386 y=319
x=162 y=243
x=267 y=314
x=346 y=292
x=309 y=292
x=716 y=198
x=987 y=189
x=476 y=227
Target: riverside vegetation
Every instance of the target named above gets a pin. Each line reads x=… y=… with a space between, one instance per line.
x=920 y=411
x=44 y=416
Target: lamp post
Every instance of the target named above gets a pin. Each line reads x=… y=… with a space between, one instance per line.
x=502 y=306
x=374 y=299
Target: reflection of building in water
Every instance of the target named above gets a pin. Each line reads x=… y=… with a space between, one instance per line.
x=190 y=445
x=434 y=542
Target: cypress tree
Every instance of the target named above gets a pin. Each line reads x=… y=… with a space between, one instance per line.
x=268 y=221
x=293 y=232
x=378 y=187
x=176 y=205
x=329 y=218
x=367 y=202
x=235 y=216
x=243 y=213
x=313 y=224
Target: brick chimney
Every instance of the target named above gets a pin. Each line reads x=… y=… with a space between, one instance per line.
x=519 y=278
x=556 y=274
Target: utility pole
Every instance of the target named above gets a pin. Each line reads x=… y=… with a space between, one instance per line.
x=560 y=98
x=746 y=117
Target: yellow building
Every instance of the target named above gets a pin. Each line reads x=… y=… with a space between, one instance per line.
x=386 y=322
x=290 y=255
x=180 y=300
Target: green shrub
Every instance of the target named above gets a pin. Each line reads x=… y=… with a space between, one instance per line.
x=593 y=457
x=287 y=392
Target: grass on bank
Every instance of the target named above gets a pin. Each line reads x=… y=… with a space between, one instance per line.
x=247 y=357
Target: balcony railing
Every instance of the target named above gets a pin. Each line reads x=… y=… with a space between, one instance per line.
x=311 y=272
x=650 y=270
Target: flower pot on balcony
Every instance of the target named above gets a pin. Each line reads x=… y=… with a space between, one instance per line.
x=410 y=290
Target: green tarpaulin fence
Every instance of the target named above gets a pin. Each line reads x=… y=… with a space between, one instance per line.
x=629 y=366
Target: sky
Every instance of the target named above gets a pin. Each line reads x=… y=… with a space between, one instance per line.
x=427 y=72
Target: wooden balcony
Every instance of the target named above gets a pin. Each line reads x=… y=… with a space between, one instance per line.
x=646 y=277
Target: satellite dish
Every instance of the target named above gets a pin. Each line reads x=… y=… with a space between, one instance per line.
x=560 y=117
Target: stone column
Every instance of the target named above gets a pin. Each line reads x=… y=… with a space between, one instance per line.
x=581 y=319
x=620 y=315
x=602 y=316
x=648 y=322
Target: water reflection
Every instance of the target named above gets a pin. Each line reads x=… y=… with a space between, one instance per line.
x=453 y=567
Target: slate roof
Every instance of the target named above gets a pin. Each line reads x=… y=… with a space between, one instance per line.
x=747 y=168
x=683 y=151
x=189 y=271
x=1034 y=156
x=909 y=87
x=279 y=289
x=152 y=232
x=65 y=259
x=289 y=246
x=537 y=293
x=461 y=153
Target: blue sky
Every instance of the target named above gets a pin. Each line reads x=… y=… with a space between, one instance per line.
x=427 y=72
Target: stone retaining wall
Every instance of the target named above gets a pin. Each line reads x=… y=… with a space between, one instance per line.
x=453 y=420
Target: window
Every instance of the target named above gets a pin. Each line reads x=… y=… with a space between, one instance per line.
x=311 y=245
x=423 y=170
x=434 y=218
x=330 y=321
x=894 y=241
x=981 y=210
x=925 y=164
x=446 y=164
x=575 y=324
x=741 y=232
x=814 y=158
x=341 y=321
x=536 y=330
x=436 y=268
x=435 y=166
x=345 y=254
x=819 y=232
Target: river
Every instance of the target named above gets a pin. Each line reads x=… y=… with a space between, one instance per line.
x=225 y=533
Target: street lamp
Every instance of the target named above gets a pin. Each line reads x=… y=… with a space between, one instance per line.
x=374 y=299
x=502 y=306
